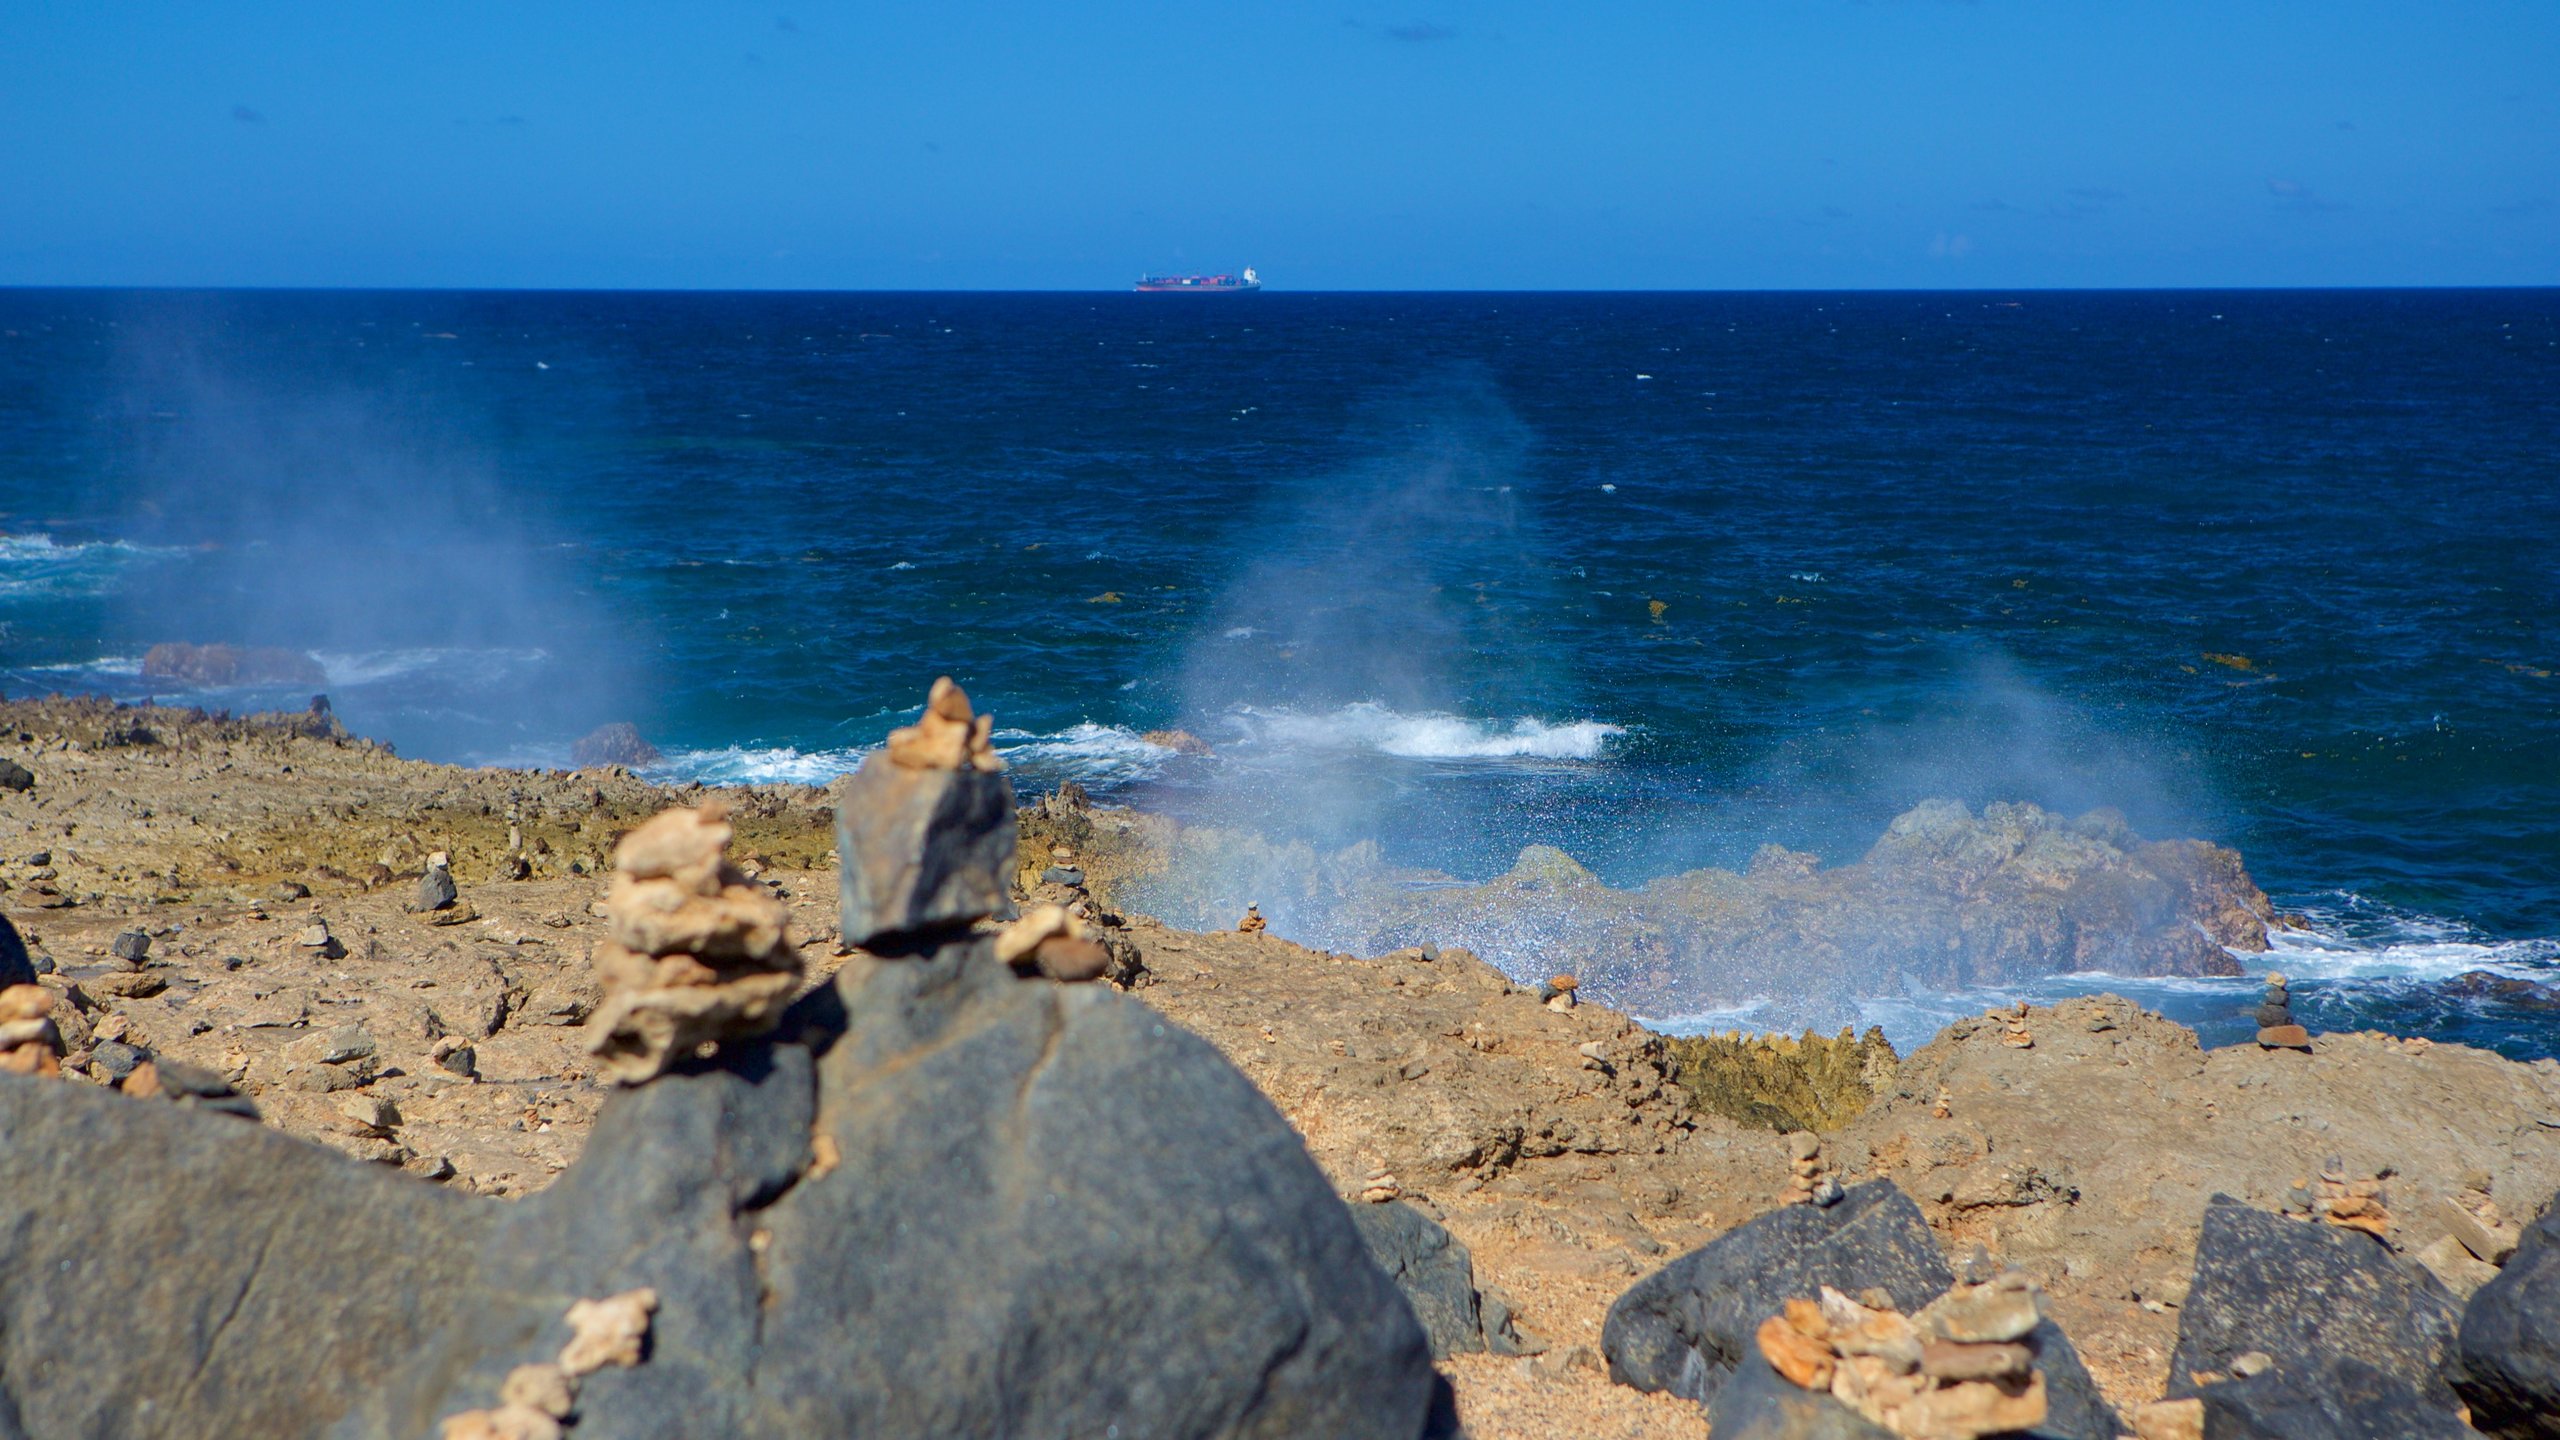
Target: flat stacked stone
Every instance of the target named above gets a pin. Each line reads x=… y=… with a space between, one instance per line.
x=697 y=953
x=30 y=1043
x=1807 y=1180
x=1558 y=992
x=2351 y=1202
x=2276 y=1027
x=1960 y=1368
x=2013 y=1022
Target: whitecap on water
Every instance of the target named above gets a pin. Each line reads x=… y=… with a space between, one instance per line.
x=1430 y=735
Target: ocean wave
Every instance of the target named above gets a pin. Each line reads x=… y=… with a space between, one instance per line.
x=2351 y=938
x=1097 y=756
x=1431 y=735
x=757 y=765
x=34 y=565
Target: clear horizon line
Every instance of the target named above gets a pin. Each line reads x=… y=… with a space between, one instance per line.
x=7 y=287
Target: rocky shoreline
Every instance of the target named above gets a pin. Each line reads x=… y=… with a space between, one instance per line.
x=243 y=910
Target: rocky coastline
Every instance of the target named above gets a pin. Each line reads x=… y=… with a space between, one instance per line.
x=375 y=1074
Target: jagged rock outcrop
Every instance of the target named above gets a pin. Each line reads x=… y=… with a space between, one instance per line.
x=940 y=1198
x=1945 y=899
x=619 y=743
x=220 y=665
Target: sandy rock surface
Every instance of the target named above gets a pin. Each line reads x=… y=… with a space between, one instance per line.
x=1553 y=1143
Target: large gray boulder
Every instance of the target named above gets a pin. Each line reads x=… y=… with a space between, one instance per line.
x=2510 y=1343
x=1686 y=1326
x=1053 y=1213
x=2363 y=1343
x=940 y=1200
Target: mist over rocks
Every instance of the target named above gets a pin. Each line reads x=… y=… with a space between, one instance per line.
x=214 y=666
x=1946 y=899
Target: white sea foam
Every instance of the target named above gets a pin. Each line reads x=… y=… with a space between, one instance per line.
x=1094 y=755
x=1431 y=735
x=757 y=765
x=33 y=564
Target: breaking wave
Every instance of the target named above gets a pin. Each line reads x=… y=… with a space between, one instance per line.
x=34 y=565
x=1432 y=735
x=1097 y=756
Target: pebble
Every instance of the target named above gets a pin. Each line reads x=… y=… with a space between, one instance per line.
x=2256 y=1362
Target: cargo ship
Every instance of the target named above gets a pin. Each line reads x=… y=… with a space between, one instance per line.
x=1200 y=284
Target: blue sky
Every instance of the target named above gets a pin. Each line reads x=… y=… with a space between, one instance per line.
x=1705 y=145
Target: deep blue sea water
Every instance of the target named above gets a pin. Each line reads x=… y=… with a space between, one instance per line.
x=1655 y=578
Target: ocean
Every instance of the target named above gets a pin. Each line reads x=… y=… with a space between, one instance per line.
x=1653 y=578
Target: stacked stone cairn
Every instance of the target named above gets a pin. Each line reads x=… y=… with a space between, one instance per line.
x=30 y=1043
x=1381 y=1187
x=2348 y=1201
x=1252 y=923
x=1807 y=1182
x=696 y=954
x=2013 y=1022
x=540 y=1401
x=1957 y=1370
x=2276 y=1028
x=1945 y=1107
x=1558 y=992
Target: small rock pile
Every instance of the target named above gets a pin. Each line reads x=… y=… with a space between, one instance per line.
x=1049 y=941
x=1558 y=992
x=2276 y=1027
x=697 y=953
x=949 y=736
x=132 y=979
x=1807 y=1184
x=30 y=1043
x=439 y=901
x=539 y=1402
x=2348 y=1202
x=1944 y=1109
x=1381 y=1187
x=2013 y=1023
x=1252 y=923
x=1957 y=1370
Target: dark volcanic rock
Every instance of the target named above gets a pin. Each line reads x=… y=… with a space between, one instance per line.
x=922 y=850
x=2510 y=1346
x=131 y=946
x=1686 y=1326
x=1055 y=1213
x=1431 y=1267
x=14 y=776
x=2502 y=989
x=616 y=744
x=17 y=964
x=2363 y=1343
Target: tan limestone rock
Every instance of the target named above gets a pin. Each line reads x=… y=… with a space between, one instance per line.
x=610 y=1331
